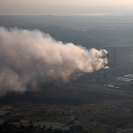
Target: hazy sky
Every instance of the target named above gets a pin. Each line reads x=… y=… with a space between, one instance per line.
x=65 y=6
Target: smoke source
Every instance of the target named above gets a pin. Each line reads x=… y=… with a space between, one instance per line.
x=29 y=56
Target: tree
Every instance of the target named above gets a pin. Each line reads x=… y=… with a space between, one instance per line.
x=79 y=128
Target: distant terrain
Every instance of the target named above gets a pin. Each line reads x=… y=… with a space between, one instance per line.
x=95 y=31
x=95 y=102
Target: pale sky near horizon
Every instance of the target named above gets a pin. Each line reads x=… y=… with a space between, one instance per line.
x=34 y=7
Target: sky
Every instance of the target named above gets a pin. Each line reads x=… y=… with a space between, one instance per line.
x=62 y=7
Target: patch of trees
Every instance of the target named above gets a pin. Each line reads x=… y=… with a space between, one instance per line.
x=7 y=127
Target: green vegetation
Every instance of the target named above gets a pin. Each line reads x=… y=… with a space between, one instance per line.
x=92 y=118
x=6 y=127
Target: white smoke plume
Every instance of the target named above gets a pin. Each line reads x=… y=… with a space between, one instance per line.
x=30 y=56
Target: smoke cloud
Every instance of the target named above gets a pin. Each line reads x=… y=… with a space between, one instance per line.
x=30 y=56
